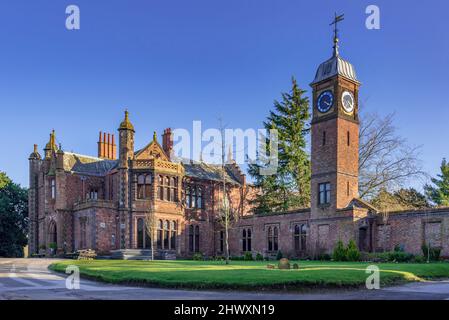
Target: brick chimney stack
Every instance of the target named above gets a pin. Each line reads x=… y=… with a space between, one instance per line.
x=107 y=149
x=167 y=142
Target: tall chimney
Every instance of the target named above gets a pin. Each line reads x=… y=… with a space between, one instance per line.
x=107 y=149
x=167 y=142
x=114 y=149
x=100 y=146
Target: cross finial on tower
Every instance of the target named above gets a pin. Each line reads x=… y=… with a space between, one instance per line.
x=336 y=20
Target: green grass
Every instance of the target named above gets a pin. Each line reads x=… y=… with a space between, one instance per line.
x=249 y=275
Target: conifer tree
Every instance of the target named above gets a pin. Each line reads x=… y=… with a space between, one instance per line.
x=439 y=191
x=289 y=187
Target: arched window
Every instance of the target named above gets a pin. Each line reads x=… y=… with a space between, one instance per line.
x=53 y=188
x=275 y=238
x=53 y=235
x=141 y=186
x=270 y=239
x=166 y=235
x=148 y=183
x=93 y=194
x=161 y=188
x=167 y=189
x=140 y=233
x=172 y=189
x=188 y=197
x=199 y=199
x=160 y=232
x=197 y=238
x=194 y=238
x=193 y=200
x=173 y=235
x=191 y=238
x=297 y=237
x=303 y=237
x=246 y=240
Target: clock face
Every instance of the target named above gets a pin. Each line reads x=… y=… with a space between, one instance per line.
x=347 y=99
x=325 y=101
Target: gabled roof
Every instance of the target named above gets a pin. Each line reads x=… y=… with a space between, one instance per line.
x=150 y=151
x=359 y=203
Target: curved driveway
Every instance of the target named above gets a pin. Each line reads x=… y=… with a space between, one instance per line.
x=31 y=279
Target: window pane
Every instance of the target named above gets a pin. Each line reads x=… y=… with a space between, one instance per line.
x=139 y=191
x=173 y=240
x=147 y=191
x=296 y=229
x=140 y=233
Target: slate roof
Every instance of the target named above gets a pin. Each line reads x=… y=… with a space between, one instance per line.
x=87 y=165
x=204 y=171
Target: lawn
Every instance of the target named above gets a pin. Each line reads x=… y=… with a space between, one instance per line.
x=249 y=275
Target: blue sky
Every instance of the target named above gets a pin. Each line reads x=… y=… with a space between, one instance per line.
x=171 y=62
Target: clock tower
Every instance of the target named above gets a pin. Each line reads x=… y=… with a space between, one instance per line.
x=335 y=135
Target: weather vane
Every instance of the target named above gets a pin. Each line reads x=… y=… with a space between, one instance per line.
x=336 y=20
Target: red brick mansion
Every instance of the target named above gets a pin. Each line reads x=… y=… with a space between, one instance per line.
x=78 y=201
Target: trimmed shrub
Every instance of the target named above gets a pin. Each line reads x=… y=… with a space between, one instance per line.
x=392 y=256
x=198 y=256
x=324 y=257
x=352 y=252
x=237 y=258
x=259 y=257
x=339 y=253
x=284 y=264
x=432 y=253
x=279 y=255
x=295 y=266
x=399 y=256
x=248 y=256
x=52 y=245
x=419 y=259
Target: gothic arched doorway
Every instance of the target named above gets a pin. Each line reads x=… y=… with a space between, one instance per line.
x=52 y=236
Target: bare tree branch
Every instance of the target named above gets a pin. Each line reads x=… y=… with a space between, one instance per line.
x=385 y=159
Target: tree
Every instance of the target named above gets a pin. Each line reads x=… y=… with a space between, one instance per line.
x=150 y=228
x=438 y=193
x=402 y=199
x=289 y=188
x=386 y=161
x=13 y=217
x=226 y=215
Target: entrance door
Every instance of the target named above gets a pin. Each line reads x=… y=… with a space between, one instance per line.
x=362 y=238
